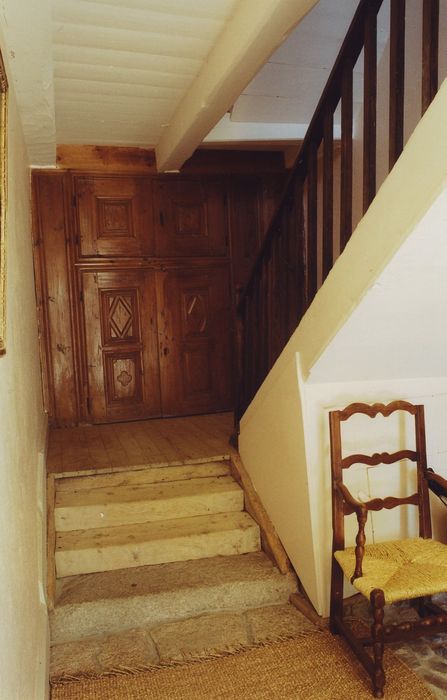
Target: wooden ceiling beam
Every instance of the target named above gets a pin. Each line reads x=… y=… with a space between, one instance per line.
x=256 y=29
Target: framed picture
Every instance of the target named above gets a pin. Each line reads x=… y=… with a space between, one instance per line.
x=3 y=200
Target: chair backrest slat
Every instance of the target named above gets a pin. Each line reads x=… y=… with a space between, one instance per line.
x=378 y=458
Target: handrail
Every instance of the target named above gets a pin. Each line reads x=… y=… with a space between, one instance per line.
x=350 y=51
x=304 y=235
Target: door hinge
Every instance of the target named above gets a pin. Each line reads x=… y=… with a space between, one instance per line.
x=162 y=219
x=81 y=296
x=89 y=405
x=73 y=201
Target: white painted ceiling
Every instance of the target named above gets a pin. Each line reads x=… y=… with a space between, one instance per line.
x=280 y=100
x=121 y=67
x=114 y=72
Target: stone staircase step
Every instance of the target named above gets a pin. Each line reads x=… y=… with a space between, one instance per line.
x=149 y=596
x=115 y=505
x=203 y=636
x=105 y=549
x=148 y=475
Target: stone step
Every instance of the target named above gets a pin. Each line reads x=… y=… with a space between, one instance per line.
x=149 y=596
x=207 y=635
x=105 y=549
x=148 y=475
x=112 y=506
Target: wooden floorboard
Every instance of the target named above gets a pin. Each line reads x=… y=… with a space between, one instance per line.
x=118 y=446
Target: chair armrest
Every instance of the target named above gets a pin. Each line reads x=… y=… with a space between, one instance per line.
x=355 y=505
x=361 y=511
x=437 y=483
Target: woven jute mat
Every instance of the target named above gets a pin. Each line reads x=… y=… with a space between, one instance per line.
x=314 y=667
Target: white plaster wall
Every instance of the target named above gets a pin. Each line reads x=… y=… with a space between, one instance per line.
x=381 y=294
x=27 y=45
x=23 y=629
x=272 y=446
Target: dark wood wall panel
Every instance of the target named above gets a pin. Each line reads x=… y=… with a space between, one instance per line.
x=135 y=277
x=113 y=216
x=54 y=292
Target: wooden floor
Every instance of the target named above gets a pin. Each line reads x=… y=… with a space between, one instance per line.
x=117 y=446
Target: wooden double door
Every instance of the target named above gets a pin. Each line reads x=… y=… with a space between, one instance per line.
x=157 y=342
x=133 y=276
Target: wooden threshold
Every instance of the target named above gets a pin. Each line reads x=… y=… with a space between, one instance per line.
x=86 y=450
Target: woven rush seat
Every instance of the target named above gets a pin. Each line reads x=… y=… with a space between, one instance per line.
x=403 y=570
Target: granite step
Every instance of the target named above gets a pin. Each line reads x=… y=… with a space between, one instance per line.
x=149 y=596
x=197 y=637
x=126 y=504
x=145 y=475
x=179 y=539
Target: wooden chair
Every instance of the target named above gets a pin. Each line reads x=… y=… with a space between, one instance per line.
x=386 y=572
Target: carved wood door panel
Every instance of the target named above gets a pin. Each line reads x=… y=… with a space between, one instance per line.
x=120 y=323
x=189 y=217
x=114 y=216
x=194 y=340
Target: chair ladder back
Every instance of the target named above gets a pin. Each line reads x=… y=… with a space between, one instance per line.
x=339 y=463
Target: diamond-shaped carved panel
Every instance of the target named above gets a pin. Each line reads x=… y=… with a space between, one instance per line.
x=114 y=218
x=120 y=316
x=195 y=312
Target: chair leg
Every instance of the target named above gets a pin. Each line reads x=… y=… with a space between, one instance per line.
x=336 y=609
x=377 y=603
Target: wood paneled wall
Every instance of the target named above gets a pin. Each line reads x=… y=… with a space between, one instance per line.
x=68 y=252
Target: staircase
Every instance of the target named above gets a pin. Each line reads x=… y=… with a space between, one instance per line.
x=140 y=551
x=153 y=516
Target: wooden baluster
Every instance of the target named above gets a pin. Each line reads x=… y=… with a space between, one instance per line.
x=275 y=302
x=312 y=193
x=369 y=108
x=256 y=331
x=295 y=259
x=261 y=347
x=282 y=272
x=346 y=158
x=328 y=194
x=246 y=365
x=397 y=80
x=430 y=42
x=301 y=253
x=264 y=322
x=240 y=324
x=269 y=301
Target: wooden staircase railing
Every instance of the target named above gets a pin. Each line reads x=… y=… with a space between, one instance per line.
x=325 y=195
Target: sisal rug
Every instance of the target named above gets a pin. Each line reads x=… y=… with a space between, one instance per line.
x=316 y=667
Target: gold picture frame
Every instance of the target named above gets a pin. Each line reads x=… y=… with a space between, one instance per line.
x=3 y=201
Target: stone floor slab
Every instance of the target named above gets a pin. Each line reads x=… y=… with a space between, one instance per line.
x=276 y=621
x=200 y=636
x=128 y=649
